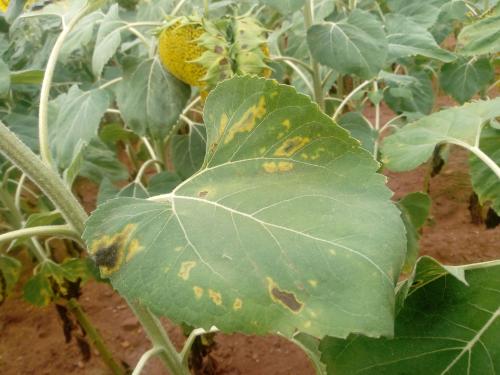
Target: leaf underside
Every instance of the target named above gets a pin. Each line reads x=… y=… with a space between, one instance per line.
x=287 y=226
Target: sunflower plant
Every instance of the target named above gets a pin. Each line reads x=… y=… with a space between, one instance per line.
x=251 y=198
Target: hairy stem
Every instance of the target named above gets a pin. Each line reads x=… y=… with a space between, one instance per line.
x=44 y=177
x=318 y=88
x=95 y=337
x=43 y=123
x=159 y=338
x=45 y=230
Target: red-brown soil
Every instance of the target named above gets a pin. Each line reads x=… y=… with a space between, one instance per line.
x=31 y=339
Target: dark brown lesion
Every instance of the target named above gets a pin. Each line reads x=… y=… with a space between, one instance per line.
x=203 y=194
x=288 y=299
x=107 y=256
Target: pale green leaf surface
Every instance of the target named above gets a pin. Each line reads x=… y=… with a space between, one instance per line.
x=189 y=150
x=360 y=129
x=484 y=182
x=445 y=327
x=78 y=119
x=417 y=205
x=480 y=38
x=413 y=93
x=4 y=79
x=108 y=40
x=413 y=145
x=354 y=45
x=286 y=221
x=151 y=99
x=407 y=38
x=463 y=78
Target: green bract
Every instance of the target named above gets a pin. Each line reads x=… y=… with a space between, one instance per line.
x=287 y=226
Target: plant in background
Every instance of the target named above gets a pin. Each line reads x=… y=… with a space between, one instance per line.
x=259 y=209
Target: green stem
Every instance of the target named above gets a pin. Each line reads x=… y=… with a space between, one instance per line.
x=95 y=337
x=295 y=61
x=159 y=338
x=43 y=113
x=45 y=178
x=144 y=359
x=318 y=88
x=44 y=230
x=347 y=98
x=377 y=123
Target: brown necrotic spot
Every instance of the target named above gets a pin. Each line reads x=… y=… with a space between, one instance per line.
x=203 y=194
x=287 y=299
x=107 y=256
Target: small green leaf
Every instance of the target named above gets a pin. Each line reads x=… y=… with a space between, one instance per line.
x=463 y=78
x=163 y=183
x=38 y=290
x=445 y=327
x=484 y=182
x=10 y=270
x=354 y=45
x=189 y=150
x=101 y=162
x=151 y=99
x=480 y=38
x=360 y=129
x=414 y=144
x=283 y=220
x=27 y=77
x=417 y=205
x=108 y=40
x=407 y=38
x=78 y=120
x=413 y=93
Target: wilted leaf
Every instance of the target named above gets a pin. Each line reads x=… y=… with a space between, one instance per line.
x=283 y=221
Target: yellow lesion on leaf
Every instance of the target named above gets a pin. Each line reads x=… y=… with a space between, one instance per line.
x=286 y=123
x=333 y=252
x=110 y=252
x=313 y=283
x=198 y=292
x=238 y=304
x=273 y=167
x=262 y=150
x=186 y=268
x=317 y=153
x=283 y=297
x=215 y=297
x=307 y=324
x=133 y=249
x=248 y=120
x=223 y=123
x=291 y=146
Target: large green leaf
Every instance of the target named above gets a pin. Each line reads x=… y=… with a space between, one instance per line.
x=482 y=37
x=354 y=45
x=463 y=78
x=150 y=98
x=408 y=38
x=413 y=145
x=78 y=118
x=445 y=327
x=422 y=12
x=286 y=226
x=484 y=181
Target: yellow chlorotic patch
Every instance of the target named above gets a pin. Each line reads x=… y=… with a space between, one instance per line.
x=286 y=124
x=262 y=150
x=238 y=304
x=215 y=297
x=285 y=166
x=133 y=249
x=313 y=314
x=109 y=252
x=333 y=252
x=291 y=146
x=198 y=292
x=186 y=268
x=313 y=283
x=248 y=120
x=274 y=93
x=223 y=123
x=270 y=166
x=280 y=135
x=304 y=156
x=178 y=248
x=317 y=153
x=283 y=297
x=273 y=167
x=166 y=269
x=307 y=324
